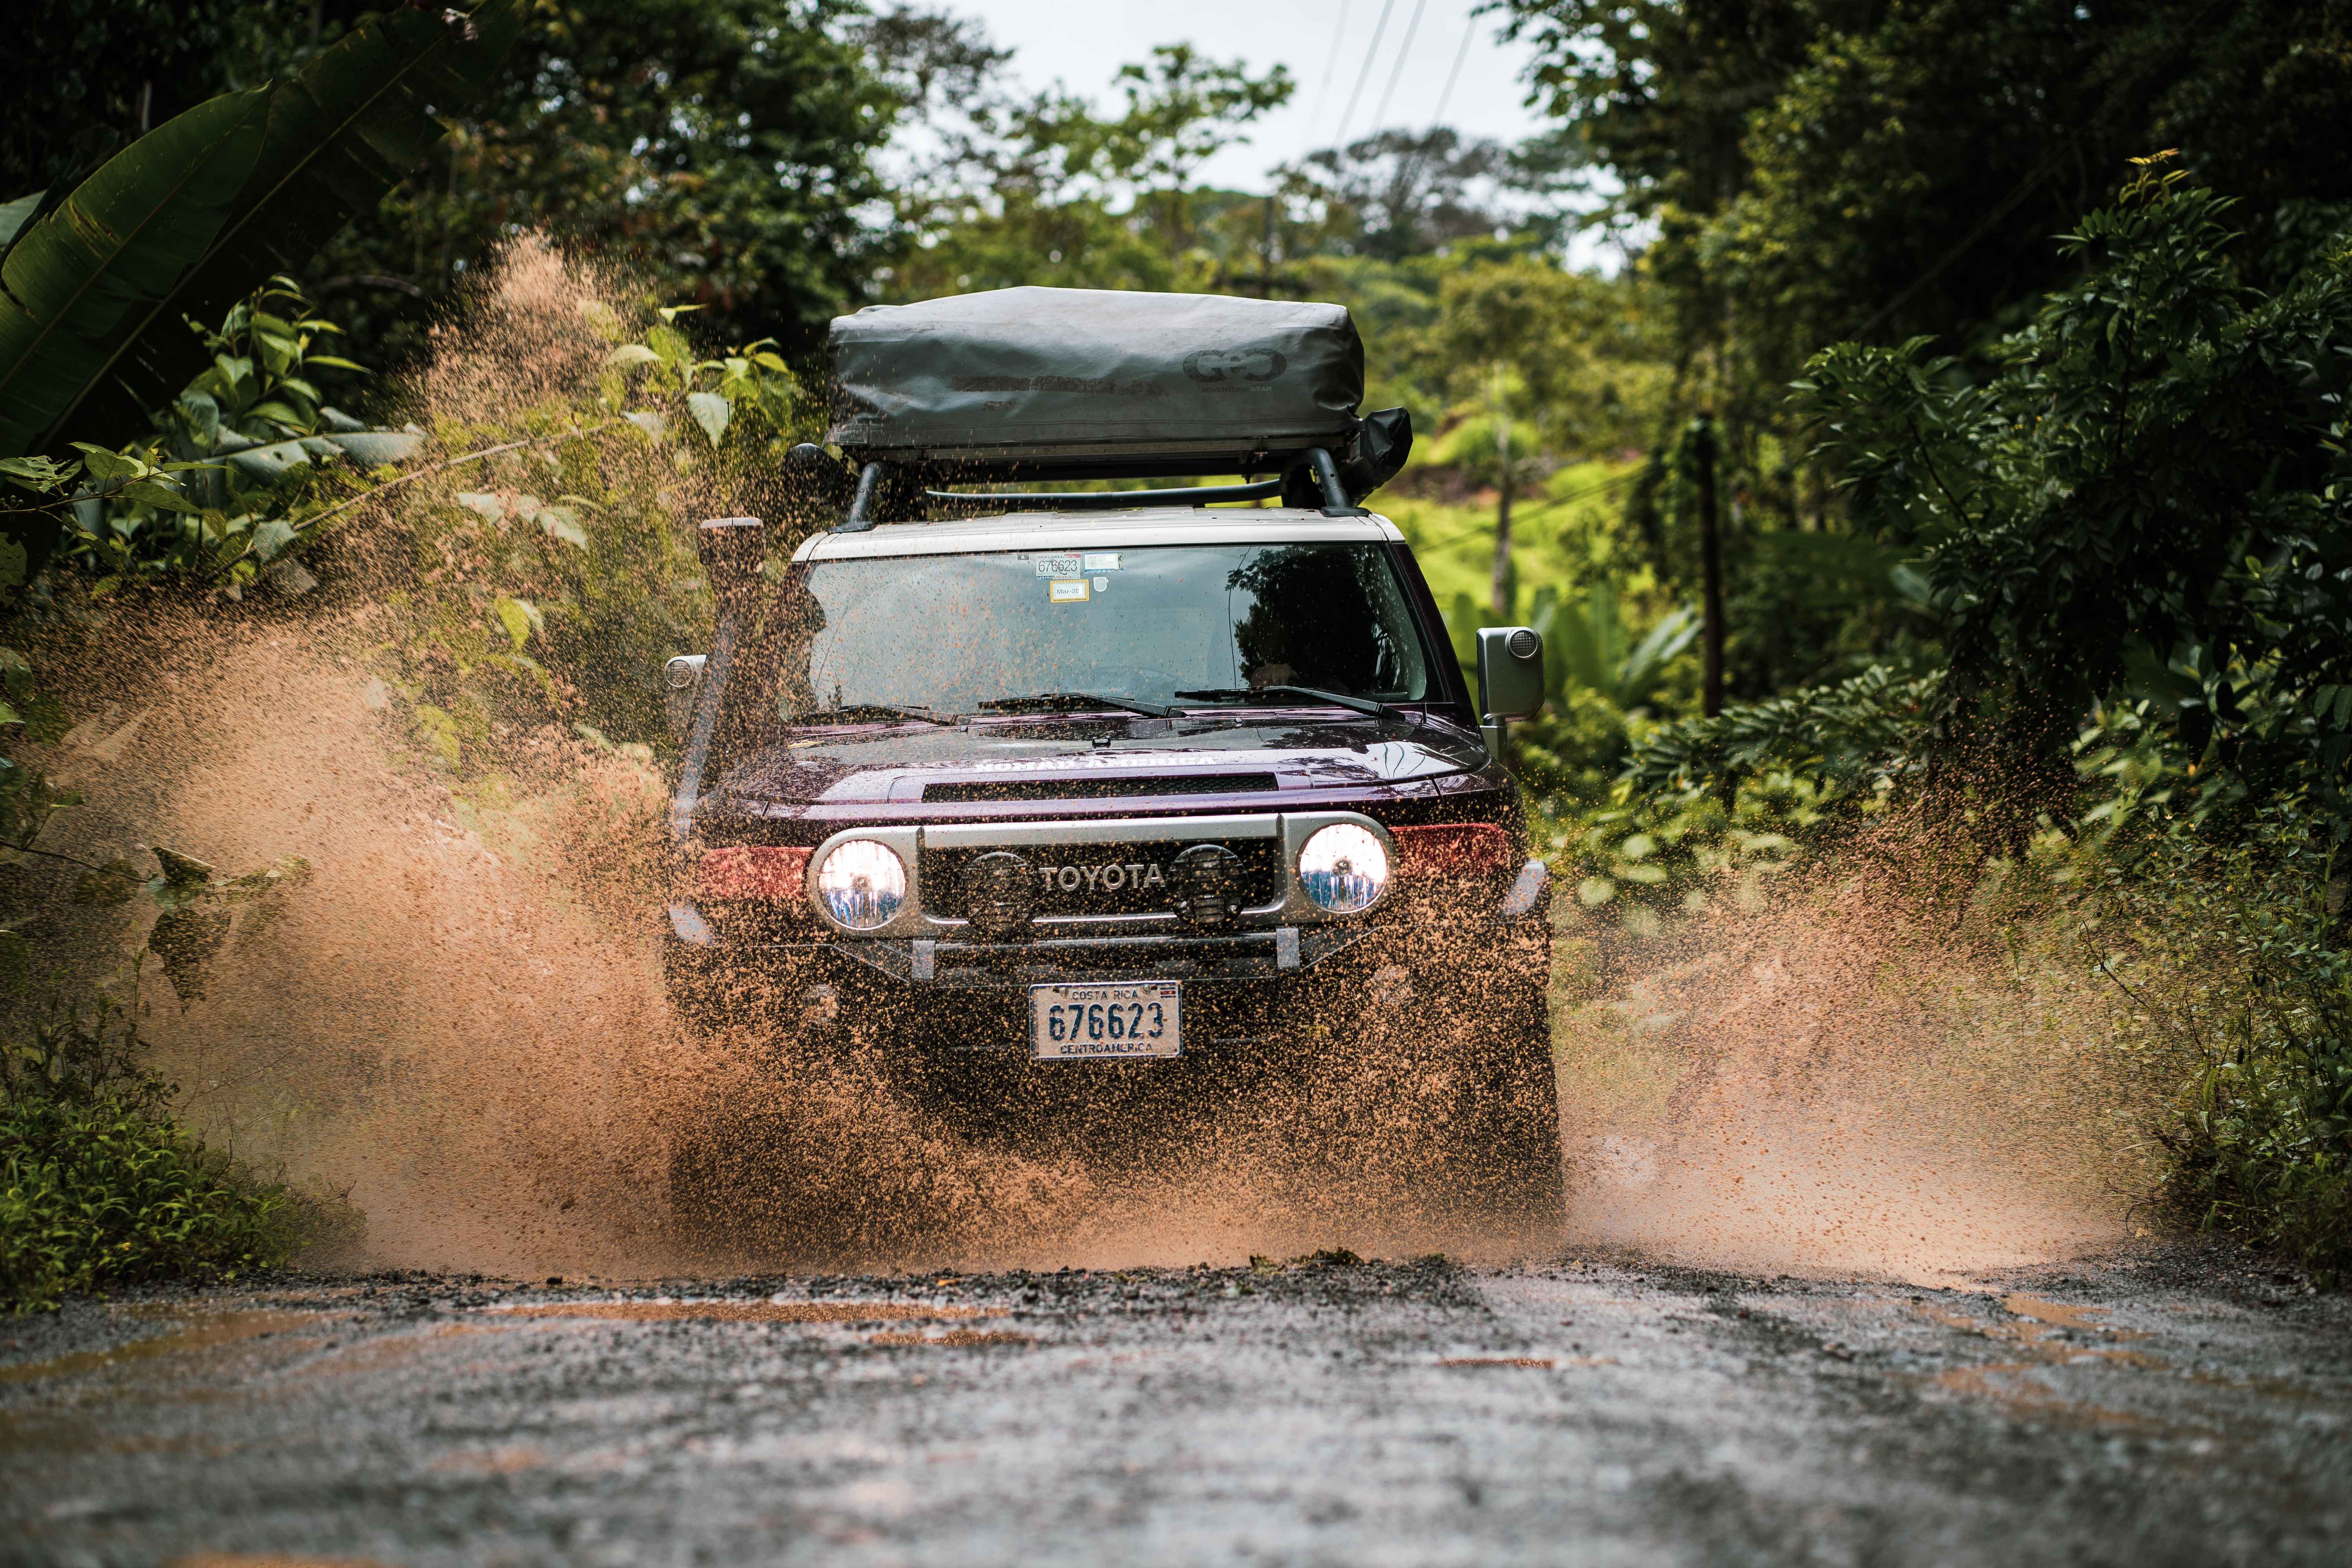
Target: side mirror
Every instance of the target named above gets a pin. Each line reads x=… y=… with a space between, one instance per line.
x=682 y=680
x=1510 y=681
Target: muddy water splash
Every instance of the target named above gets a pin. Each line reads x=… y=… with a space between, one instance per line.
x=1848 y=1084
x=460 y=1020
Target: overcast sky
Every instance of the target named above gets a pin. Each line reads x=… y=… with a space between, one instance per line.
x=1084 y=42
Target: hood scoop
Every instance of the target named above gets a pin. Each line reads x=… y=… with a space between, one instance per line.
x=1099 y=788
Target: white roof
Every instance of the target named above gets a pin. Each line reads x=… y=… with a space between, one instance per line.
x=1131 y=528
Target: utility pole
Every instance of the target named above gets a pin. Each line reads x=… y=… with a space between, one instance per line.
x=1265 y=256
x=1502 y=584
x=1710 y=564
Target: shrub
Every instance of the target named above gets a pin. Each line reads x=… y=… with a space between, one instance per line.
x=100 y=1187
x=2236 y=952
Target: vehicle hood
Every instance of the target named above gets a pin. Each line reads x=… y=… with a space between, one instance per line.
x=1002 y=762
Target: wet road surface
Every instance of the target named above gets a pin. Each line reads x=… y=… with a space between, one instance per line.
x=2182 y=1405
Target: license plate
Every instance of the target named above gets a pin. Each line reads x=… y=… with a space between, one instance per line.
x=1117 y=1018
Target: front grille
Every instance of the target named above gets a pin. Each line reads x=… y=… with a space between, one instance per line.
x=1099 y=788
x=1139 y=885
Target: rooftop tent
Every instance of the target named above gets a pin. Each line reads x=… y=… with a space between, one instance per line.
x=1077 y=383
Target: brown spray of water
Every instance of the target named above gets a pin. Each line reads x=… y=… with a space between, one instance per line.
x=1886 y=1071
x=460 y=1018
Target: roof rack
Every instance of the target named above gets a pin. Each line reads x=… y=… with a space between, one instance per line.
x=1008 y=387
x=1315 y=465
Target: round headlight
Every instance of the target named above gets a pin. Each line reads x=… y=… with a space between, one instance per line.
x=862 y=884
x=1343 y=868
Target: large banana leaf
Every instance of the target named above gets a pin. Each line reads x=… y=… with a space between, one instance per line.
x=84 y=278
x=341 y=132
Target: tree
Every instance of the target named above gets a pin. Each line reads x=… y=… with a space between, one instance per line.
x=1818 y=170
x=1519 y=342
x=2143 y=524
x=111 y=71
x=1400 y=193
x=1042 y=189
x=722 y=149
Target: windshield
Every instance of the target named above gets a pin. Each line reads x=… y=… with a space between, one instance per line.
x=1007 y=631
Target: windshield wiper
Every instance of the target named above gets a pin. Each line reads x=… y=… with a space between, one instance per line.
x=1071 y=701
x=866 y=712
x=1336 y=699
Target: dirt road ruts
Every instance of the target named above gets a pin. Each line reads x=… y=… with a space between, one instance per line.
x=2184 y=1405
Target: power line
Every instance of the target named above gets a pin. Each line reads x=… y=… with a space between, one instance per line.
x=1323 y=93
x=1469 y=31
x=1521 y=515
x=1365 y=74
x=1404 y=53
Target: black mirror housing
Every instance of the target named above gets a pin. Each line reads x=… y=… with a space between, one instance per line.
x=1510 y=681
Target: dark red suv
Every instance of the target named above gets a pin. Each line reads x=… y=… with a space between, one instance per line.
x=1119 y=783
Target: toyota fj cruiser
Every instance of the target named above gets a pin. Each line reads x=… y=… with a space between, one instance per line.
x=1089 y=782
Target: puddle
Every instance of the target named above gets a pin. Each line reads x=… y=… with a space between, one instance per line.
x=741 y=1312
x=491 y=1461
x=2033 y=1328
x=268 y=1560
x=199 y=1332
x=2059 y=1315
x=953 y=1337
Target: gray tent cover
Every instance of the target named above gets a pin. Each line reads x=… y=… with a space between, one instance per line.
x=1030 y=374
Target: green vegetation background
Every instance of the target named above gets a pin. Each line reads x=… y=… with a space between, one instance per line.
x=2027 y=460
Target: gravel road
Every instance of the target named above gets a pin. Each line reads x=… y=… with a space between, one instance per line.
x=2175 y=1405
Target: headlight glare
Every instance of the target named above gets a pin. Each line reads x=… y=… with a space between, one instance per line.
x=1343 y=868
x=862 y=884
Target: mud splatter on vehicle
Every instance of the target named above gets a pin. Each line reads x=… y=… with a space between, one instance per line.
x=1165 y=798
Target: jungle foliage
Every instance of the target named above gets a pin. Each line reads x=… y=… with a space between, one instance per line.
x=100 y=1188
x=722 y=149
x=2134 y=543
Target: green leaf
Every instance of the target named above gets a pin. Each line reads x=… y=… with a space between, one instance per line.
x=340 y=133
x=161 y=497
x=108 y=468
x=269 y=539
x=182 y=870
x=711 y=412
x=484 y=504
x=40 y=475
x=373 y=448
x=563 y=522
x=628 y=354
x=16 y=215
x=86 y=280
x=520 y=617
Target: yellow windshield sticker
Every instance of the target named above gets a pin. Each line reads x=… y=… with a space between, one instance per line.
x=1067 y=590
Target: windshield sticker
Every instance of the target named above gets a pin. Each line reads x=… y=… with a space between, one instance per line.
x=1101 y=584
x=1067 y=590
x=1059 y=566
x=1101 y=561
